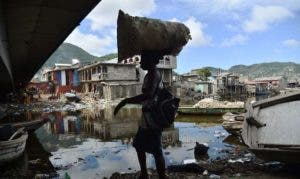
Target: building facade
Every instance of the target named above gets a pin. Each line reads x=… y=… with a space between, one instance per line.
x=64 y=77
x=265 y=84
x=165 y=66
x=228 y=86
x=109 y=80
x=204 y=87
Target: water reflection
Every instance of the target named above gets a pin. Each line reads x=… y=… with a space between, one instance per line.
x=95 y=144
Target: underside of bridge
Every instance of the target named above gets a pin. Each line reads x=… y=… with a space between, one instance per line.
x=30 y=31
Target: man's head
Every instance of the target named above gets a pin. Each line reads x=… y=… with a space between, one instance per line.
x=149 y=59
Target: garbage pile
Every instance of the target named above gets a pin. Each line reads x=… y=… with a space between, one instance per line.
x=211 y=103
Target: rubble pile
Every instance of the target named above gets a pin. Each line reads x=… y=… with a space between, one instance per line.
x=211 y=103
x=95 y=102
x=87 y=102
x=34 y=107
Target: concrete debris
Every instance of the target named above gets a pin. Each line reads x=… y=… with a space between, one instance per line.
x=241 y=160
x=249 y=155
x=213 y=176
x=211 y=103
x=189 y=161
x=234 y=161
x=74 y=107
x=237 y=175
x=87 y=102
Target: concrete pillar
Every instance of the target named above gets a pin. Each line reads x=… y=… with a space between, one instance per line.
x=4 y=53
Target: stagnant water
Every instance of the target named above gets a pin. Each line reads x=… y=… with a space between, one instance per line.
x=95 y=144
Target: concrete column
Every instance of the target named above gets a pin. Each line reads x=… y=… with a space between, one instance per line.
x=91 y=73
x=4 y=50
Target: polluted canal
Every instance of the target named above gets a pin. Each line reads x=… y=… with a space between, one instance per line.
x=97 y=144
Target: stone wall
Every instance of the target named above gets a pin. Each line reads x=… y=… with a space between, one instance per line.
x=121 y=72
x=112 y=92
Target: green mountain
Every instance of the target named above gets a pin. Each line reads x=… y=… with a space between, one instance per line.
x=66 y=52
x=107 y=57
x=288 y=69
x=268 y=69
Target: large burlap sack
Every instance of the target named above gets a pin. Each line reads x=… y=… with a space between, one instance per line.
x=138 y=34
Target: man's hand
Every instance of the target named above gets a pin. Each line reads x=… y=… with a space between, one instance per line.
x=119 y=106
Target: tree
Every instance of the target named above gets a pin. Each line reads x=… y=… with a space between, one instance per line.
x=204 y=72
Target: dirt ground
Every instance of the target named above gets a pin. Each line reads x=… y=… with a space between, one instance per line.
x=239 y=164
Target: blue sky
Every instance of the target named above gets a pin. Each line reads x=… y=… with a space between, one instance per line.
x=224 y=32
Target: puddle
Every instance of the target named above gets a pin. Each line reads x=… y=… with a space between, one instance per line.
x=97 y=144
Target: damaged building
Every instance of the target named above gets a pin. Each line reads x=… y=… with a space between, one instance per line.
x=265 y=84
x=165 y=67
x=110 y=80
x=228 y=86
x=64 y=77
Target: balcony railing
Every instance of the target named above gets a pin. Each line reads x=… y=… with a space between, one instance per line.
x=103 y=76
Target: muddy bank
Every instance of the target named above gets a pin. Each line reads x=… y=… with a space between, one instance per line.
x=43 y=105
x=223 y=168
x=238 y=162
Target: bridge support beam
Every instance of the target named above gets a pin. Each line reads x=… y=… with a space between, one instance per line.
x=6 y=76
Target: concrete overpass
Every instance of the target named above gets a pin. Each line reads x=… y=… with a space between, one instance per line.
x=30 y=31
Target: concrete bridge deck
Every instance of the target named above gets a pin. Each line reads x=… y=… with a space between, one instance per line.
x=30 y=31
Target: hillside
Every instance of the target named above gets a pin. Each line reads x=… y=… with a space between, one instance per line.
x=214 y=70
x=262 y=69
x=267 y=69
x=107 y=57
x=66 y=52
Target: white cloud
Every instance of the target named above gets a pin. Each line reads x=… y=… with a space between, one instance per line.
x=91 y=43
x=226 y=5
x=231 y=27
x=264 y=16
x=235 y=40
x=199 y=38
x=291 y=43
x=213 y=6
x=229 y=6
x=103 y=19
x=106 y=12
